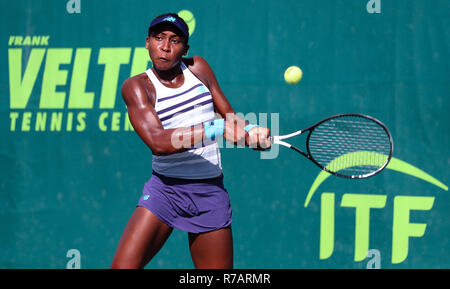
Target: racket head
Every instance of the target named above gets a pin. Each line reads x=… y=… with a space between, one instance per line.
x=350 y=145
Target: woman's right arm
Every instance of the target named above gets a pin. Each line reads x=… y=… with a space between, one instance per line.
x=147 y=125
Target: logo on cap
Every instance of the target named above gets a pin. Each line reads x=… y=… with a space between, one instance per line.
x=170 y=18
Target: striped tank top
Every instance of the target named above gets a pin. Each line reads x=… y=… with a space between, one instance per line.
x=185 y=106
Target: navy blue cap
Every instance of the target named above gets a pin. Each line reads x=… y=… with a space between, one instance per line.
x=174 y=21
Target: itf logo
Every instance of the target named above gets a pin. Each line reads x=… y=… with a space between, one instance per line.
x=363 y=204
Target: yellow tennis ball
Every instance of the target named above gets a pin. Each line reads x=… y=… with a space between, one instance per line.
x=293 y=74
x=189 y=18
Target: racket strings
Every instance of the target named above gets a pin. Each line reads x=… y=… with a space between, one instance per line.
x=350 y=145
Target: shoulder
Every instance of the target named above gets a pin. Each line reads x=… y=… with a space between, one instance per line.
x=196 y=63
x=138 y=86
x=135 y=82
x=200 y=67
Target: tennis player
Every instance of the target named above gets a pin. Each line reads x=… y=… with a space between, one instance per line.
x=172 y=108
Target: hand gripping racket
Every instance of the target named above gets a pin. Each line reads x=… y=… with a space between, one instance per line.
x=348 y=145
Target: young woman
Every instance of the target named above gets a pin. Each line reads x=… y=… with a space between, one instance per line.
x=172 y=108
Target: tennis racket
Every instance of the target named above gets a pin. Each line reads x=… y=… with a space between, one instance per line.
x=348 y=145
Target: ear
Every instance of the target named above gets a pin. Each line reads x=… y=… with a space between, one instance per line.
x=147 y=42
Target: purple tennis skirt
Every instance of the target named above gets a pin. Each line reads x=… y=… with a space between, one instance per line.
x=194 y=206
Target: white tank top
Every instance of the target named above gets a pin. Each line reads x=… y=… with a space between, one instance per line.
x=185 y=106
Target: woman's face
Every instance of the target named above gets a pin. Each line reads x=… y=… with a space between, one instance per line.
x=166 y=47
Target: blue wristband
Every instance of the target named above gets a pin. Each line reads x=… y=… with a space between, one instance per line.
x=214 y=128
x=249 y=127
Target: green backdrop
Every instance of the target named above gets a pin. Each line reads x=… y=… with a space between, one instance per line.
x=72 y=169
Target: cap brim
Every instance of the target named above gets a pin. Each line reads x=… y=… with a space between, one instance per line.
x=174 y=24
